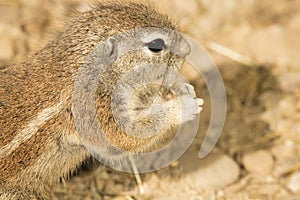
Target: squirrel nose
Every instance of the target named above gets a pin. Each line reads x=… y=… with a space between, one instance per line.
x=180 y=46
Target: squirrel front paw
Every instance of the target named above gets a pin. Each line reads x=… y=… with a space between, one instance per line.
x=186 y=104
x=190 y=107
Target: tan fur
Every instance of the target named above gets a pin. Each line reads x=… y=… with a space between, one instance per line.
x=38 y=140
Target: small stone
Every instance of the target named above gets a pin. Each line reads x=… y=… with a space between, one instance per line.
x=285 y=150
x=294 y=183
x=215 y=171
x=258 y=162
x=284 y=166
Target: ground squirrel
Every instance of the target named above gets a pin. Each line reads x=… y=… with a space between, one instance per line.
x=39 y=140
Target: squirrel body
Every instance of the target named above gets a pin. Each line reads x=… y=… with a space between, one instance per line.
x=39 y=142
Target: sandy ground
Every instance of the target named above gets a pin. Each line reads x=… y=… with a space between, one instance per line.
x=258 y=154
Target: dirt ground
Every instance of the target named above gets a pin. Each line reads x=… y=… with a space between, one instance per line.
x=256 y=45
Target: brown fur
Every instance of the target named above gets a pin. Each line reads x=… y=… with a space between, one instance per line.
x=46 y=80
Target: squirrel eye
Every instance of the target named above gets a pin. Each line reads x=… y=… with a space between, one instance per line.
x=156 y=45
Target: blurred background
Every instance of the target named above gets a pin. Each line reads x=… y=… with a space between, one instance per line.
x=256 y=45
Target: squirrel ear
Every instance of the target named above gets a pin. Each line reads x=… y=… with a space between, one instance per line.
x=111 y=48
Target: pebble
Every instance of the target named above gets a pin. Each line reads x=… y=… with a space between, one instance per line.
x=285 y=150
x=215 y=171
x=258 y=162
x=283 y=167
x=199 y=179
x=285 y=154
x=294 y=183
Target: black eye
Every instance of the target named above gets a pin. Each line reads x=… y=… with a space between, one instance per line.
x=156 y=45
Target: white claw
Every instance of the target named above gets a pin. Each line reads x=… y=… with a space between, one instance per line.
x=199 y=109
x=200 y=101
